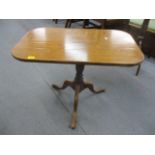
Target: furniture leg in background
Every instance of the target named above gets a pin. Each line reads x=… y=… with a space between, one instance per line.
x=55 y=20
x=140 y=39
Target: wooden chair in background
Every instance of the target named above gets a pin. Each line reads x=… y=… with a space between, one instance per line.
x=69 y=22
x=86 y=23
x=97 y=23
x=139 y=38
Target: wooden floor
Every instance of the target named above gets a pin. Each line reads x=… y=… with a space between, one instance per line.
x=28 y=104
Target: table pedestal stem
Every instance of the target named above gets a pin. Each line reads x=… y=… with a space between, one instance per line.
x=77 y=85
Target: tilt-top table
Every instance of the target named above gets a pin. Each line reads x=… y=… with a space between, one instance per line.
x=79 y=47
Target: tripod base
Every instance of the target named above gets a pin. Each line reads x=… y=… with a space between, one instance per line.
x=77 y=85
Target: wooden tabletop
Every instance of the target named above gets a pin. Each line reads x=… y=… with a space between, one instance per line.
x=73 y=46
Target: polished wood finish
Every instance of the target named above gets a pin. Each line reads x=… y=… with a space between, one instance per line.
x=72 y=46
x=79 y=47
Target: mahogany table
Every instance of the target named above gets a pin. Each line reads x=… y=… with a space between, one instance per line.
x=79 y=47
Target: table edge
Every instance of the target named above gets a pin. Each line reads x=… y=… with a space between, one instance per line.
x=74 y=63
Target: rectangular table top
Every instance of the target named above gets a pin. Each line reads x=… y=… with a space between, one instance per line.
x=73 y=46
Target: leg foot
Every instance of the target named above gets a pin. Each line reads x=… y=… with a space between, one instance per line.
x=73 y=120
x=65 y=85
x=91 y=88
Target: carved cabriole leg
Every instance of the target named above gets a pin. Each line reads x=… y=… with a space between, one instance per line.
x=91 y=88
x=65 y=85
x=77 y=85
x=75 y=107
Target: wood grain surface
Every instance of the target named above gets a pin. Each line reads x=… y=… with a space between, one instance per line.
x=73 y=46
